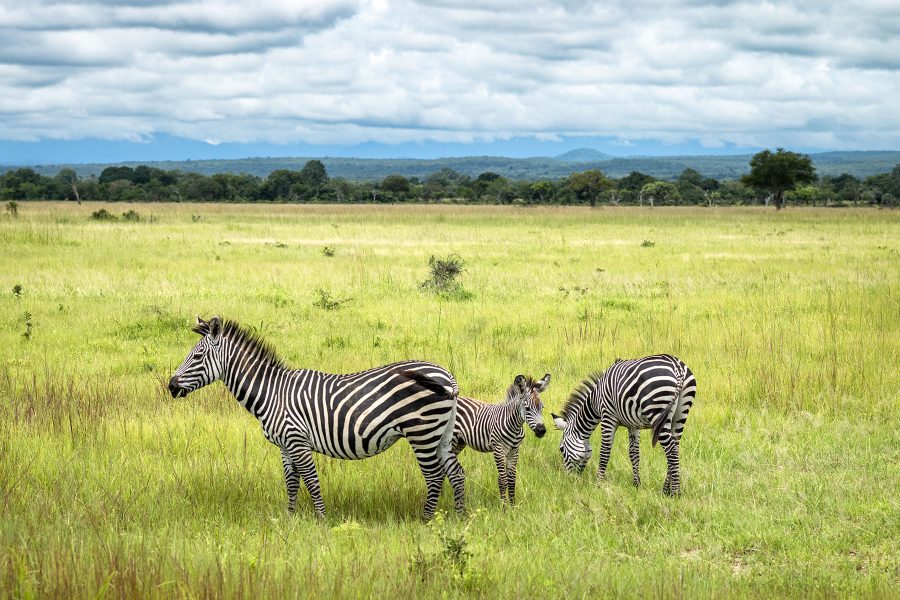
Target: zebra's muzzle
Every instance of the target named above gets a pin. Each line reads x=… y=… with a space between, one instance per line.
x=176 y=390
x=540 y=430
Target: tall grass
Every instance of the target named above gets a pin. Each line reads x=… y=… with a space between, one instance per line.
x=791 y=322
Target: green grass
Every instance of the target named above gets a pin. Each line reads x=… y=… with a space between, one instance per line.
x=790 y=321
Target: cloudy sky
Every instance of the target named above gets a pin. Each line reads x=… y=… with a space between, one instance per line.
x=95 y=80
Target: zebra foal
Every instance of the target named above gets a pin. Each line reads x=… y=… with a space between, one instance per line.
x=342 y=416
x=498 y=428
x=654 y=392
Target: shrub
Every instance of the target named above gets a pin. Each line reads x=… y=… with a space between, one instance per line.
x=131 y=216
x=103 y=215
x=444 y=279
x=326 y=301
x=12 y=208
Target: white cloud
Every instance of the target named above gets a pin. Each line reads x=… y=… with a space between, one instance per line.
x=340 y=71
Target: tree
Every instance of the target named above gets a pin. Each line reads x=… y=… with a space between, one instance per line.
x=314 y=177
x=543 y=190
x=779 y=172
x=662 y=192
x=395 y=184
x=588 y=185
x=68 y=179
x=110 y=174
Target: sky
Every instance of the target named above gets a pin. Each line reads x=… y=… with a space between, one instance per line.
x=103 y=81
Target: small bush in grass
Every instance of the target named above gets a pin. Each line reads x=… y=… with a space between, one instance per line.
x=452 y=554
x=103 y=215
x=132 y=216
x=326 y=301
x=328 y=251
x=444 y=279
x=648 y=244
x=17 y=290
x=28 y=326
x=12 y=208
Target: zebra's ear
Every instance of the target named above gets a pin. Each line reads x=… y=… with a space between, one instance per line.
x=541 y=385
x=521 y=383
x=558 y=421
x=202 y=327
x=215 y=328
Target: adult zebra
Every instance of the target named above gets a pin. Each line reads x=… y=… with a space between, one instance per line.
x=343 y=416
x=654 y=392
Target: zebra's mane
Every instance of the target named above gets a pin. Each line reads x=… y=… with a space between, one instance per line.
x=248 y=338
x=581 y=394
x=512 y=391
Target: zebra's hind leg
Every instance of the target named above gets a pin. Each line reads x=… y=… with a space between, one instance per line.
x=672 y=485
x=306 y=467
x=634 y=451
x=433 y=470
x=291 y=479
x=457 y=476
x=500 y=460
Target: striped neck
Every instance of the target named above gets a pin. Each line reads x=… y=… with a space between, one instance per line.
x=511 y=415
x=250 y=368
x=583 y=411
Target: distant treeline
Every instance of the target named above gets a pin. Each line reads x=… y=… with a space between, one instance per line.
x=312 y=183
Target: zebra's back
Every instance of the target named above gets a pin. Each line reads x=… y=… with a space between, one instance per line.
x=638 y=392
x=358 y=415
x=473 y=425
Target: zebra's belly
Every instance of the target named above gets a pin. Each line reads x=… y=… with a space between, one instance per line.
x=349 y=450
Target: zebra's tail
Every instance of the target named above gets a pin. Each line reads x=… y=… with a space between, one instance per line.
x=449 y=391
x=666 y=415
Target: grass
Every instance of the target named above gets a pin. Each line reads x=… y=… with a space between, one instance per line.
x=790 y=320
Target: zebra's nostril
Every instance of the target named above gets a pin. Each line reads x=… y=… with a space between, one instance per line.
x=540 y=430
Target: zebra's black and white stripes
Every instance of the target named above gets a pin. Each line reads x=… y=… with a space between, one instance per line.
x=343 y=416
x=498 y=428
x=654 y=392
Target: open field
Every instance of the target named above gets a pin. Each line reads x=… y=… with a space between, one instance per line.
x=790 y=458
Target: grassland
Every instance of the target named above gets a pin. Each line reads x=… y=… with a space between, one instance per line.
x=791 y=456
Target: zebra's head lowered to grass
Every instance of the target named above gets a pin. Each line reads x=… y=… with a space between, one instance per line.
x=204 y=363
x=575 y=445
x=527 y=393
x=576 y=452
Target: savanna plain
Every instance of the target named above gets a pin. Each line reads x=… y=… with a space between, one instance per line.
x=790 y=458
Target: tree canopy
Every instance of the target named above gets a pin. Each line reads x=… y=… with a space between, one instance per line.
x=779 y=172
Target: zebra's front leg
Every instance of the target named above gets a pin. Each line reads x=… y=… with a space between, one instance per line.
x=291 y=479
x=500 y=460
x=511 y=460
x=306 y=467
x=634 y=451
x=672 y=485
x=607 y=435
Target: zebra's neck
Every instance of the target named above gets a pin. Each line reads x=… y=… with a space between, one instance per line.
x=249 y=372
x=586 y=416
x=508 y=415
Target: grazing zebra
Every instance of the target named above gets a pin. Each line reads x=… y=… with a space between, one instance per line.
x=497 y=428
x=654 y=392
x=343 y=416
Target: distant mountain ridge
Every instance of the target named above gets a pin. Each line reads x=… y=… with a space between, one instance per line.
x=858 y=163
x=583 y=155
